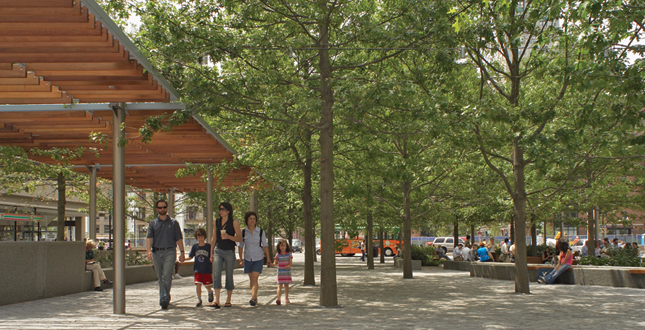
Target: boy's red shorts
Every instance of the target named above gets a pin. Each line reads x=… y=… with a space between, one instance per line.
x=203 y=278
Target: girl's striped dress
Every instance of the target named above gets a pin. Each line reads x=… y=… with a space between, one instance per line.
x=284 y=274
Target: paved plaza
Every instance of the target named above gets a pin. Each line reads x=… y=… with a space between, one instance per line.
x=434 y=299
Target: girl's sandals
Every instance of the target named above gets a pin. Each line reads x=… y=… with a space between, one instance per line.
x=215 y=305
x=253 y=302
x=228 y=304
x=286 y=301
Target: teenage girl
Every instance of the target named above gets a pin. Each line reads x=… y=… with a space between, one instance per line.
x=284 y=260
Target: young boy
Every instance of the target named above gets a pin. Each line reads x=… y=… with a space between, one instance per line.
x=203 y=266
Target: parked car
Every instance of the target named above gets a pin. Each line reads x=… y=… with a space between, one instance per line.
x=448 y=242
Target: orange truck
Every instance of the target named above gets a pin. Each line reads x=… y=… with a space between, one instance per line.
x=350 y=247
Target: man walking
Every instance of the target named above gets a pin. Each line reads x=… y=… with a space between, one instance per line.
x=164 y=234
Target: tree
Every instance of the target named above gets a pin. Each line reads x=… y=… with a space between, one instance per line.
x=279 y=61
x=544 y=91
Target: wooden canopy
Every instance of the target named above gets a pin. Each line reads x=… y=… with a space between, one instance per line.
x=148 y=165
x=65 y=51
x=58 y=59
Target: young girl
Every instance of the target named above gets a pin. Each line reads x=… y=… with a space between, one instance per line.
x=284 y=260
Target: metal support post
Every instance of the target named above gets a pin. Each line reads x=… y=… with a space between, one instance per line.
x=171 y=203
x=118 y=183
x=92 y=214
x=209 y=205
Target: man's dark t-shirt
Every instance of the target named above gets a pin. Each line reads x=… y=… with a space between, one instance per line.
x=202 y=256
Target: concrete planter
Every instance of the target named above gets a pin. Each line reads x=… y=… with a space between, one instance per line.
x=416 y=264
x=577 y=275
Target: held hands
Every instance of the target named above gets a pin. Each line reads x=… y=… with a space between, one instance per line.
x=241 y=262
x=211 y=257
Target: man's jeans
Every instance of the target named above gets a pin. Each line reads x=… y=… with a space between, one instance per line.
x=553 y=275
x=164 y=262
x=220 y=257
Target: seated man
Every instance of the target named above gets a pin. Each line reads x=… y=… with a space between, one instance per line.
x=456 y=253
x=90 y=264
x=465 y=253
x=440 y=253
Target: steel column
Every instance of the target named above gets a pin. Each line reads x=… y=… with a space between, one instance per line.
x=118 y=184
x=171 y=203
x=209 y=205
x=92 y=215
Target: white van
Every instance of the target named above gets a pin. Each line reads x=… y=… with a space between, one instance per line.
x=448 y=242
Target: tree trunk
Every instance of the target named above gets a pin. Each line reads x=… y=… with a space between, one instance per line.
x=511 y=228
x=328 y=288
x=290 y=236
x=407 y=232
x=380 y=243
x=472 y=235
x=519 y=203
x=270 y=236
x=591 y=233
x=455 y=231
x=533 y=239
x=368 y=241
x=60 y=236
x=310 y=249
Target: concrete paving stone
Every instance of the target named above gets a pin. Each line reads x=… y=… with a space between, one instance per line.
x=369 y=299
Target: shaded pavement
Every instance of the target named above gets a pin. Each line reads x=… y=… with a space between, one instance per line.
x=380 y=298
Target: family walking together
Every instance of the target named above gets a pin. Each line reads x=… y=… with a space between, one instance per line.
x=210 y=259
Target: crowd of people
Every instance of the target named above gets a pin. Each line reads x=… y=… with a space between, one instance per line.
x=484 y=251
x=561 y=258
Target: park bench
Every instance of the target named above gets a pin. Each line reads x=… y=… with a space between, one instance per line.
x=637 y=271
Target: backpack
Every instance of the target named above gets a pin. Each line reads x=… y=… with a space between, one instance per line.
x=261 y=231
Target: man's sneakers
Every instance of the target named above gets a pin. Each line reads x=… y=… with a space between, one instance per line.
x=98 y=288
x=541 y=280
x=176 y=276
x=210 y=297
x=199 y=303
x=164 y=304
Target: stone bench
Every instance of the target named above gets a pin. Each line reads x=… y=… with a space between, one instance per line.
x=632 y=277
x=416 y=264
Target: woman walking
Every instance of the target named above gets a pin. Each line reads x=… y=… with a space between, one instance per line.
x=226 y=234
x=253 y=249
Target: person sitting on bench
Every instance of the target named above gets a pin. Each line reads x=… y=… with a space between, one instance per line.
x=564 y=262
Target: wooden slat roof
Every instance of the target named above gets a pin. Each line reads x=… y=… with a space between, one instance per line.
x=69 y=52
x=65 y=51
x=148 y=165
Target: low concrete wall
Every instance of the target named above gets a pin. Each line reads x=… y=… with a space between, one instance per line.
x=135 y=274
x=577 y=275
x=416 y=264
x=36 y=270
x=465 y=266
